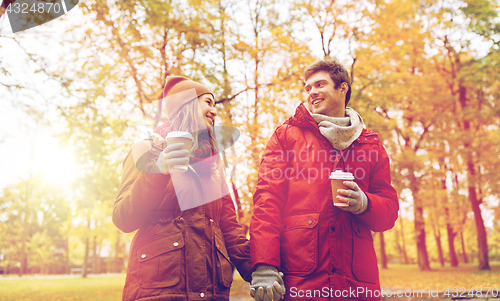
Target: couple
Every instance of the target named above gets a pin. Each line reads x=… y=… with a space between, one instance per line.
x=302 y=247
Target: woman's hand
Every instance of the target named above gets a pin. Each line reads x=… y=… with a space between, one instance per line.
x=173 y=157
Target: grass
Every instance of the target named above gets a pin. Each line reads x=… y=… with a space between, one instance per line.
x=109 y=287
x=409 y=276
x=98 y=288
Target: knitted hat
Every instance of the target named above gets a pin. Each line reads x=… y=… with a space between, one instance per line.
x=179 y=90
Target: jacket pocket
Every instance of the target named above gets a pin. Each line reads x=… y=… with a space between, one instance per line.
x=299 y=244
x=364 y=260
x=224 y=268
x=160 y=261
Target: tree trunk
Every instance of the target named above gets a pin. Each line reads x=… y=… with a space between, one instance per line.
x=25 y=232
x=94 y=256
x=451 y=245
x=482 y=240
x=232 y=179
x=398 y=245
x=98 y=259
x=117 y=266
x=464 y=253
x=403 y=241
x=24 y=238
x=85 y=258
x=237 y=199
x=67 y=267
x=226 y=93
x=422 y=256
x=419 y=223
x=437 y=236
x=383 y=255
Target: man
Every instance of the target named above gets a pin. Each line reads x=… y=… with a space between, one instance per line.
x=325 y=251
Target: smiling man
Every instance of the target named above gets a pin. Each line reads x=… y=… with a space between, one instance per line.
x=324 y=250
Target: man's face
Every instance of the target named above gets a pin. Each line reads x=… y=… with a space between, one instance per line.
x=323 y=98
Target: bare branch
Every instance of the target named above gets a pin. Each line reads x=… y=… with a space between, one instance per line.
x=426 y=130
x=222 y=100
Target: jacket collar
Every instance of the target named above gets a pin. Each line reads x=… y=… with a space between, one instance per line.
x=302 y=118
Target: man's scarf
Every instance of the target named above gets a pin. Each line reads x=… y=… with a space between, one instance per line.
x=340 y=131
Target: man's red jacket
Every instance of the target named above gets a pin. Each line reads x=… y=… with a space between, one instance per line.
x=324 y=252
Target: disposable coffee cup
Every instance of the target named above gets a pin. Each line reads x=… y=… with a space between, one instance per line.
x=181 y=137
x=337 y=178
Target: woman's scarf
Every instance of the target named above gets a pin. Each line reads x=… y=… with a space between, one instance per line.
x=204 y=159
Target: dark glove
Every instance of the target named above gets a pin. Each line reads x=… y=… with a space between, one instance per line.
x=267 y=284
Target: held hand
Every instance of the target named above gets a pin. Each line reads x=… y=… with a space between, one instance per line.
x=172 y=155
x=354 y=197
x=267 y=284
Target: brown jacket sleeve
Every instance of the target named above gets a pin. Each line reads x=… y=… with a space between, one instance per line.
x=139 y=195
x=237 y=244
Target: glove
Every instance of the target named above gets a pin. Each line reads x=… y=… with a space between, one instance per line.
x=267 y=284
x=355 y=197
x=173 y=156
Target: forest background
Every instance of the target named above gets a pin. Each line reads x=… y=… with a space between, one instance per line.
x=424 y=76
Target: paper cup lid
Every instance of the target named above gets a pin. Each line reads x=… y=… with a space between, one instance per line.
x=340 y=175
x=180 y=134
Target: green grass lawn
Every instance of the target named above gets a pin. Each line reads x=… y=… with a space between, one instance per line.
x=409 y=276
x=109 y=287
x=99 y=288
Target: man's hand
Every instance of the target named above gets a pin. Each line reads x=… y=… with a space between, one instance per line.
x=267 y=284
x=355 y=197
x=173 y=156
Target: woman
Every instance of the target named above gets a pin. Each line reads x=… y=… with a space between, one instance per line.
x=181 y=251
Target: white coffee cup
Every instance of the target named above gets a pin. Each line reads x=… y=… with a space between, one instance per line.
x=337 y=178
x=181 y=137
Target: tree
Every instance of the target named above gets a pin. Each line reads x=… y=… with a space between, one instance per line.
x=385 y=89
x=92 y=136
x=413 y=65
x=253 y=56
x=467 y=76
x=34 y=213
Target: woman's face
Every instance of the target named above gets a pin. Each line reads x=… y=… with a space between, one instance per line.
x=207 y=105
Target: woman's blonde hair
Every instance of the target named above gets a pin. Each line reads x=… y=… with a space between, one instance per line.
x=188 y=119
